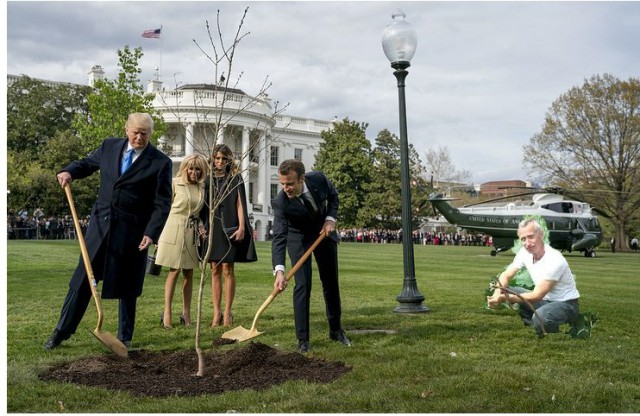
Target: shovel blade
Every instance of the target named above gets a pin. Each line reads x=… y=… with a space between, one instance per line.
x=241 y=334
x=113 y=343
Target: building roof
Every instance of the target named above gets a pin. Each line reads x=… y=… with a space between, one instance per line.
x=210 y=87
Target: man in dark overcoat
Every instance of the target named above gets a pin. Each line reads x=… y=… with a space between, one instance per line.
x=306 y=206
x=134 y=200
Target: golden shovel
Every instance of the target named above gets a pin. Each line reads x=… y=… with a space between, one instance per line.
x=242 y=334
x=110 y=341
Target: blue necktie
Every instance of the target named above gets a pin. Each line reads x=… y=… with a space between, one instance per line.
x=127 y=160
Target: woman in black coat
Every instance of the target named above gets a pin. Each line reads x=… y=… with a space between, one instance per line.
x=231 y=232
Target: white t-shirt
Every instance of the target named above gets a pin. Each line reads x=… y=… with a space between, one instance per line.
x=552 y=266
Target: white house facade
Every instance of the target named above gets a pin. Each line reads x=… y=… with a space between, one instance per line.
x=259 y=138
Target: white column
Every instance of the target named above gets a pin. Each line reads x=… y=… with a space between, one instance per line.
x=263 y=174
x=245 y=160
x=220 y=138
x=189 y=139
x=162 y=141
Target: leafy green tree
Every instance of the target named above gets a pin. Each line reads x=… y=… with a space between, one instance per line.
x=383 y=204
x=420 y=188
x=38 y=113
x=34 y=184
x=345 y=157
x=37 y=110
x=590 y=146
x=113 y=100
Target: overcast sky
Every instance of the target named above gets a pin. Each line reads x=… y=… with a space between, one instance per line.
x=482 y=78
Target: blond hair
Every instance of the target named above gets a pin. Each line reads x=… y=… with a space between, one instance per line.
x=140 y=120
x=196 y=161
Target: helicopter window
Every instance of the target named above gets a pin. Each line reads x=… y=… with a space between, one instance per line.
x=562 y=207
x=593 y=224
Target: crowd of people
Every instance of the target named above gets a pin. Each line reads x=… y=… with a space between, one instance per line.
x=23 y=226
x=388 y=236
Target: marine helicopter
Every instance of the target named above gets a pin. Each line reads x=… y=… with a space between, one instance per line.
x=572 y=225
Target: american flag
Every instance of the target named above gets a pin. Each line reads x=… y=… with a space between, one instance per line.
x=152 y=33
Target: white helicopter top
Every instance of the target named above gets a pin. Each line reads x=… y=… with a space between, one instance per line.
x=540 y=203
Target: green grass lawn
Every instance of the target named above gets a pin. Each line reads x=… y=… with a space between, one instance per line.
x=458 y=358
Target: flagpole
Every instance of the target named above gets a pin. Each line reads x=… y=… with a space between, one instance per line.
x=160 y=66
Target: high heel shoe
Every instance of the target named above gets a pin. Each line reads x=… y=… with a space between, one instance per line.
x=229 y=321
x=217 y=323
x=162 y=321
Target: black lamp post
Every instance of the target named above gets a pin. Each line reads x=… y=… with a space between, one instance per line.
x=399 y=43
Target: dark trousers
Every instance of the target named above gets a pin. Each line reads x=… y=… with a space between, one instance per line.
x=326 y=255
x=76 y=303
x=75 y=306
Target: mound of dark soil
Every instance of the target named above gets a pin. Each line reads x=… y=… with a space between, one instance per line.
x=255 y=366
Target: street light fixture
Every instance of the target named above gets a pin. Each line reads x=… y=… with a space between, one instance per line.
x=399 y=44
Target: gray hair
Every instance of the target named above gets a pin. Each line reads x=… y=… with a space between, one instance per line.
x=536 y=225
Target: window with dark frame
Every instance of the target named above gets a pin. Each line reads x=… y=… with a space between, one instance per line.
x=274 y=190
x=274 y=156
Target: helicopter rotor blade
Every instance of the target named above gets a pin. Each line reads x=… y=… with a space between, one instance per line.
x=500 y=198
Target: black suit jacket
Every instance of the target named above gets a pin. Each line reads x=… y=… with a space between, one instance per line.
x=292 y=223
x=127 y=208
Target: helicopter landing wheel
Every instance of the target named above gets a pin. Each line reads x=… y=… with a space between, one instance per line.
x=590 y=253
x=493 y=253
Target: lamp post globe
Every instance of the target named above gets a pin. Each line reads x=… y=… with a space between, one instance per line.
x=399 y=40
x=399 y=43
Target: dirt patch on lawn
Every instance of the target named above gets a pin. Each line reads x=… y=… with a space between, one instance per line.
x=255 y=366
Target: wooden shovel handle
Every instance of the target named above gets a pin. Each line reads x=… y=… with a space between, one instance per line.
x=300 y=262
x=85 y=255
x=305 y=256
x=288 y=277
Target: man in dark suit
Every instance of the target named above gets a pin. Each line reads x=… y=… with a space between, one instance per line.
x=132 y=206
x=297 y=224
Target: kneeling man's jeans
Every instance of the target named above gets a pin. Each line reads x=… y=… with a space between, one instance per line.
x=553 y=314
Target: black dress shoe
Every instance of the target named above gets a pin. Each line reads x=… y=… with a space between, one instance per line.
x=127 y=344
x=340 y=336
x=303 y=346
x=55 y=340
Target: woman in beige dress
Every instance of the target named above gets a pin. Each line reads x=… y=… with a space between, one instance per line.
x=177 y=245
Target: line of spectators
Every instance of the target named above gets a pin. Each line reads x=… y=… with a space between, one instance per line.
x=23 y=226
x=385 y=236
